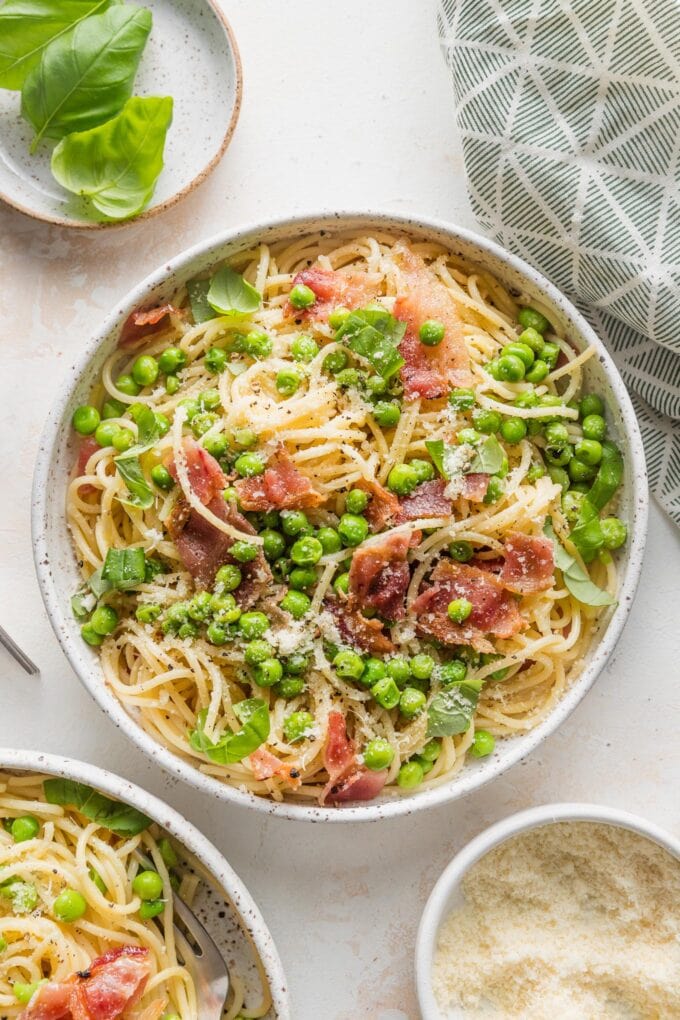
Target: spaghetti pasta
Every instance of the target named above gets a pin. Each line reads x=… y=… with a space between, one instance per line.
x=271 y=425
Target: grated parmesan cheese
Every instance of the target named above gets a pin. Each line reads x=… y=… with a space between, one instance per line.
x=575 y=920
x=456 y=460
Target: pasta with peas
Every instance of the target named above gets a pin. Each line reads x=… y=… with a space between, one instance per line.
x=343 y=514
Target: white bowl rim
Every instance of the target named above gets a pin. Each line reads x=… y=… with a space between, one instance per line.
x=183 y=830
x=500 y=832
x=464 y=782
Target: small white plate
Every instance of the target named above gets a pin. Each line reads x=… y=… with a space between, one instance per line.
x=190 y=55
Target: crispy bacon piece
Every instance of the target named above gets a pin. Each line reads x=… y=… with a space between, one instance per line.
x=265 y=765
x=474 y=486
x=429 y=371
x=494 y=610
x=112 y=983
x=206 y=477
x=332 y=288
x=427 y=500
x=379 y=577
x=144 y=321
x=529 y=563
x=280 y=487
x=383 y=506
x=88 y=446
x=347 y=779
x=369 y=635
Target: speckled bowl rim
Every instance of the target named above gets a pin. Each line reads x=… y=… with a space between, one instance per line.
x=176 y=825
x=545 y=814
x=62 y=221
x=483 y=770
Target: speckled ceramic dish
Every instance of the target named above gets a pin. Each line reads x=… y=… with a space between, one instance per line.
x=55 y=560
x=446 y=895
x=190 y=55
x=222 y=903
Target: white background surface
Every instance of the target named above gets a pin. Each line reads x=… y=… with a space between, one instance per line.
x=345 y=105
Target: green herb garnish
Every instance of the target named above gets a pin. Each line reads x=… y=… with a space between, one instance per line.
x=119 y=818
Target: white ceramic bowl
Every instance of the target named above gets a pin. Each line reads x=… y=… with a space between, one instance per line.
x=56 y=563
x=446 y=895
x=223 y=903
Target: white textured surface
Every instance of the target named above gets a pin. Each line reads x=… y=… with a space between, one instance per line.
x=345 y=105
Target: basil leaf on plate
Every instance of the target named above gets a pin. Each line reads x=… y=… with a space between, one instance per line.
x=435 y=448
x=123 y=568
x=148 y=432
x=140 y=493
x=576 y=579
x=374 y=334
x=451 y=711
x=201 y=309
x=230 y=294
x=488 y=458
x=253 y=714
x=119 y=818
x=28 y=26
x=85 y=76
x=116 y=165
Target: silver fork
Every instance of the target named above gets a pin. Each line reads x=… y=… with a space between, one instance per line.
x=204 y=960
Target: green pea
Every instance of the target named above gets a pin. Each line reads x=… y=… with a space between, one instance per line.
x=304 y=348
x=188 y=630
x=296 y=603
x=494 y=491
x=399 y=669
x=243 y=552
x=386 y=693
x=452 y=672
x=559 y=456
x=513 y=430
x=348 y=377
x=216 y=633
x=148 y=612
x=148 y=885
x=352 y=529
x=301 y=577
x=296 y=664
x=335 y=362
x=145 y=370
x=105 y=433
x=572 y=503
x=549 y=354
x=90 y=635
x=249 y=464
x=230 y=495
x=538 y=372
x=338 y=317
x=376 y=385
x=293 y=522
x=535 y=472
x=288 y=382
x=431 y=751
x=151 y=908
x=356 y=501
x=511 y=368
x=349 y=665
x=402 y=479
x=24 y=992
x=330 y=540
x=253 y=625
x=591 y=404
x=431 y=333
x=594 y=427
x=556 y=435
x=161 y=477
x=258 y=345
x=468 y=436
x=113 y=408
x=69 y=906
x=462 y=399
x=531 y=338
x=580 y=472
x=560 y=477
x=459 y=610
x=297 y=726
x=171 y=360
x=483 y=744
x=273 y=543
x=410 y=775
x=589 y=451
x=268 y=672
x=203 y=422
x=485 y=421
x=341 y=584
x=216 y=445
x=306 y=551
x=24 y=828
x=519 y=350
x=301 y=296
x=216 y=360
x=85 y=419
x=290 y=686
x=424 y=469
x=104 y=620
x=245 y=438
x=528 y=316
x=614 y=532
x=127 y=385
x=228 y=577
x=374 y=670
x=461 y=551
x=200 y=606
x=191 y=408
x=122 y=440
x=257 y=651
x=378 y=754
x=172 y=384
x=421 y=666
x=175 y=616
x=411 y=702
x=387 y=413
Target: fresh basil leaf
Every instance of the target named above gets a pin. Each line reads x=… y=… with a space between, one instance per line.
x=488 y=458
x=124 y=568
x=119 y=818
x=451 y=711
x=140 y=493
x=82 y=604
x=86 y=75
x=435 y=448
x=201 y=309
x=608 y=477
x=148 y=432
x=587 y=532
x=233 y=747
x=374 y=334
x=28 y=26
x=97 y=584
x=230 y=294
x=115 y=166
x=576 y=579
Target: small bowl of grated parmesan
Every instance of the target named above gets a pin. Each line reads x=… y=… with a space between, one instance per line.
x=565 y=910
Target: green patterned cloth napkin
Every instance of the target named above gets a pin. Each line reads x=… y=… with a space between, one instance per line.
x=569 y=112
